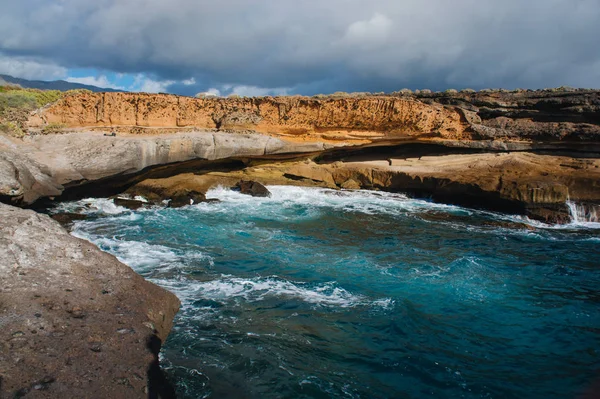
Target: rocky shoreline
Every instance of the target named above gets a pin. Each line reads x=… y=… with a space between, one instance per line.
x=77 y=322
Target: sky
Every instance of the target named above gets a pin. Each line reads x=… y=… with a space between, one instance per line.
x=273 y=47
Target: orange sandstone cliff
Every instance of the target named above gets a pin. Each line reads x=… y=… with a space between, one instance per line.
x=348 y=118
x=524 y=116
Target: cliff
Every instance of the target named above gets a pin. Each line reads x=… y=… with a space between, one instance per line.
x=572 y=117
x=163 y=135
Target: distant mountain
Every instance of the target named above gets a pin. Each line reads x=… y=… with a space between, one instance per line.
x=52 y=85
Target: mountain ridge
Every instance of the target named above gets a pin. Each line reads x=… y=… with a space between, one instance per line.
x=61 y=85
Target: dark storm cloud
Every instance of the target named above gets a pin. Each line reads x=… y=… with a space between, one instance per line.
x=315 y=45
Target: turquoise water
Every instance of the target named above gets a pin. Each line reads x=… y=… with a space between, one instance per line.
x=321 y=294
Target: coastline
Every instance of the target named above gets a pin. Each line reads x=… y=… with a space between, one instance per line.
x=439 y=148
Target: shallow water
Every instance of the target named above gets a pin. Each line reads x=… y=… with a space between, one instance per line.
x=315 y=293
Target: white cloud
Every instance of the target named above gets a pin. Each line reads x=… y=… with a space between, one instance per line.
x=145 y=84
x=99 y=81
x=30 y=69
x=214 y=92
x=349 y=45
x=369 y=32
x=189 y=82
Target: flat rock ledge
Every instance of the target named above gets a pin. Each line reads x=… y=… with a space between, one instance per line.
x=74 y=321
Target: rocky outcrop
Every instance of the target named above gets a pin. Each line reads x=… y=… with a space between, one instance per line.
x=569 y=116
x=22 y=179
x=539 y=186
x=75 y=321
x=534 y=185
x=273 y=128
x=552 y=115
x=186 y=197
x=43 y=166
x=351 y=120
x=252 y=188
x=128 y=203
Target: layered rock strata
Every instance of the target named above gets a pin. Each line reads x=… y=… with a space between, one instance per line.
x=538 y=186
x=42 y=166
x=568 y=117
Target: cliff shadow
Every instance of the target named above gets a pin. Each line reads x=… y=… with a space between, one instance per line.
x=159 y=386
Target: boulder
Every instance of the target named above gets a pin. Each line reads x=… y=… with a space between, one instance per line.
x=350 y=184
x=186 y=197
x=66 y=219
x=76 y=322
x=252 y=188
x=129 y=203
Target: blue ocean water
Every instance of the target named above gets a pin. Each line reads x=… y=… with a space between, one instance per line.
x=316 y=293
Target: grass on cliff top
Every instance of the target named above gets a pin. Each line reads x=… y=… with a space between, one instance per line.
x=16 y=103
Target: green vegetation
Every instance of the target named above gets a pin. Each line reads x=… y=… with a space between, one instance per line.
x=53 y=128
x=17 y=103
x=29 y=99
x=340 y=94
x=12 y=129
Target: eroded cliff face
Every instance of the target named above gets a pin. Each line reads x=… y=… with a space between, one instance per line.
x=568 y=116
x=538 y=186
x=341 y=119
x=165 y=133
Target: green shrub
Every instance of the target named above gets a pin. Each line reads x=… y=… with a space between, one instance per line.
x=567 y=88
x=17 y=99
x=53 y=128
x=404 y=92
x=28 y=99
x=16 y=104
x=12 y=129
x=340 y=94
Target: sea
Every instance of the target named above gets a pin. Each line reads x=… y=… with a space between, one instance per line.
x=318 y=293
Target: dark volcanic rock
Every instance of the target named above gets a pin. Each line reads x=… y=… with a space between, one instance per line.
x=62 y=305
x=252 y=188
x=66 y=219
x=186 y=197
x=129 y=203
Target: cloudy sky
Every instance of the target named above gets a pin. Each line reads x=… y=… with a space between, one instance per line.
x=257 y=47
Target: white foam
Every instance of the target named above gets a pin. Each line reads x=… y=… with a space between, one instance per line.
x=142 y=256
x=260 y=288
x=363 y=201
x=583 y=216
x=228 y=288
x=91 y=206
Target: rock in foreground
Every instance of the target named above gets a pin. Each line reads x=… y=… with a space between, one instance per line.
x=75 y=321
